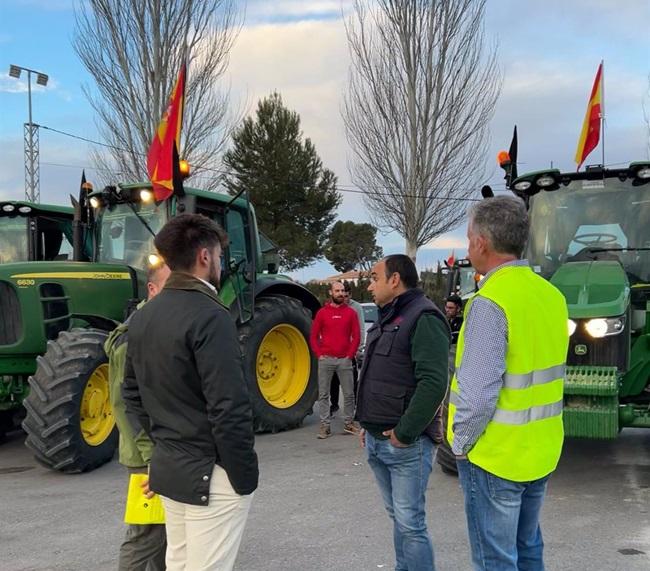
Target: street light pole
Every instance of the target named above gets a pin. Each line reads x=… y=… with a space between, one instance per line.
x=32 y=175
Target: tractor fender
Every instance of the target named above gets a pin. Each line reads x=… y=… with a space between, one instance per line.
x=271 y=286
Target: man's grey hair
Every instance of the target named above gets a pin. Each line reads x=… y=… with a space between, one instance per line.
x=503 y=220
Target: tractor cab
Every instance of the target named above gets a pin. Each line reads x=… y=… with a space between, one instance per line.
x=34 y=232
x=592 y=220
x=591 y=238
x=128 y=217
x=462 y=279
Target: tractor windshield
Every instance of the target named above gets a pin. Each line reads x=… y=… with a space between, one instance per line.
x=123 y=236
x=592 y=220
x=14 y=245
x=466 y=282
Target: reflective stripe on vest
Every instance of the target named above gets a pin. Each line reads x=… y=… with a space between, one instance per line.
x=523 y=439
x=515 y=381
x=525 y=416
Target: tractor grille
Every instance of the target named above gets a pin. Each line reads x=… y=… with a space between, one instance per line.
x=611 y=351
x=11 y=323
x=56 y=315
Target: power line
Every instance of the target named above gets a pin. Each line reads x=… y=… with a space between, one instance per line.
x=342 y=188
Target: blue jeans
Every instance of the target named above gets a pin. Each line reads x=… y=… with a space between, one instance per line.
x=402 y=475
x=502 y=520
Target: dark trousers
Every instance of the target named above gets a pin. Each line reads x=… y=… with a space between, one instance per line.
x=144 y=546
x=336 y=385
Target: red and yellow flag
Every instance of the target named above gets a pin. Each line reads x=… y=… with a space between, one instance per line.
x=165 y=147
x=451 y=260
x=590 y=134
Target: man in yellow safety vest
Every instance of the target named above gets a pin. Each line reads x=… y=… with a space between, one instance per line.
x=505 y=410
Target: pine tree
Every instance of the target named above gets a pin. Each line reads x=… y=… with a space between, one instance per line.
x=295 y=198
x=352 y=246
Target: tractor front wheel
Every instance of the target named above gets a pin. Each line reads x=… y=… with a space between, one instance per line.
x=280 y=371
x=69 y=423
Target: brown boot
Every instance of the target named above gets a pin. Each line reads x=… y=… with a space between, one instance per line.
x=324 y=431
x=351 y=428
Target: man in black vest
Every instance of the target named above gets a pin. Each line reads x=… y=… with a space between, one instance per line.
x=402 y=383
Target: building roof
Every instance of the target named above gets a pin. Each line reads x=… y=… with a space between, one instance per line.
x=351 y=276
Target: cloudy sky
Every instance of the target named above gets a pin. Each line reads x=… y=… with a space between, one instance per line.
x=548 y=51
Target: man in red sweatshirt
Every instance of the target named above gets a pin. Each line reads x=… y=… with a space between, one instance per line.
x=335 y=340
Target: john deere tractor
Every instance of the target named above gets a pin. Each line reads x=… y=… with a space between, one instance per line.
x=590 y=237
x=62 y=314
x=28 y=232
x=461 y=279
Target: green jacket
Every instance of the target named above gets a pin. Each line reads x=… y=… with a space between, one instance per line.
x=135 y=449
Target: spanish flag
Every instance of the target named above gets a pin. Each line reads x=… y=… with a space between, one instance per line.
x=590 y=134
x=450 y=260
x=162 y=158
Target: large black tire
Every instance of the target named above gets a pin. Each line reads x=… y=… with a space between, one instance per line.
x=282 y=375
x=70 y=388
x=445 y=456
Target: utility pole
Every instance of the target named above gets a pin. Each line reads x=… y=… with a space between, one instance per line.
x=32 y=172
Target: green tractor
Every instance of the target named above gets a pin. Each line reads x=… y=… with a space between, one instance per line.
x=590 y=237
x=461 y=279
x=32 y=232
x=62 y=314
x=28 y=232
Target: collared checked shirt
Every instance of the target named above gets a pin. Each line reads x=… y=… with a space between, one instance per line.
x=483 y=364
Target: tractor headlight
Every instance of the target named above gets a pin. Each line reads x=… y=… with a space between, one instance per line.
x=572 y=326
x=603 y=327
x=146 y=196
x=24 y=209
x=154 y=260
x=95 y=202
x=643 y=173
x=523 y=185
x=8 y=208
x=545 y=181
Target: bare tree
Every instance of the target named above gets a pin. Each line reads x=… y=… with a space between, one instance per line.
x=422 y=91
x=134 y=49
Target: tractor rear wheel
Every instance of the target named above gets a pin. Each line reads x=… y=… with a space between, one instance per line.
x=445 y=456
x=280 y=371
x=69 y=423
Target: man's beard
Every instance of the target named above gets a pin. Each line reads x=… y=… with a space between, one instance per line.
x=214 y=277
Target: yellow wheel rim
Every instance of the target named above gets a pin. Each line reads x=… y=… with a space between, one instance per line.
x=283 y=366
x=96 y=414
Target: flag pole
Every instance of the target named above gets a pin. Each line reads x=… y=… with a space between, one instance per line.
x=602 y=108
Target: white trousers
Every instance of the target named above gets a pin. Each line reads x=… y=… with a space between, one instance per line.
x=206 y=538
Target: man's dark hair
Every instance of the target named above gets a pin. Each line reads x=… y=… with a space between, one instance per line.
x=347 y=287
x=181 y=238
x=404 y=266
x=456 y=299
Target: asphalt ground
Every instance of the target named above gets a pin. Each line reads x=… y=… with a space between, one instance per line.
x=318 y=508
